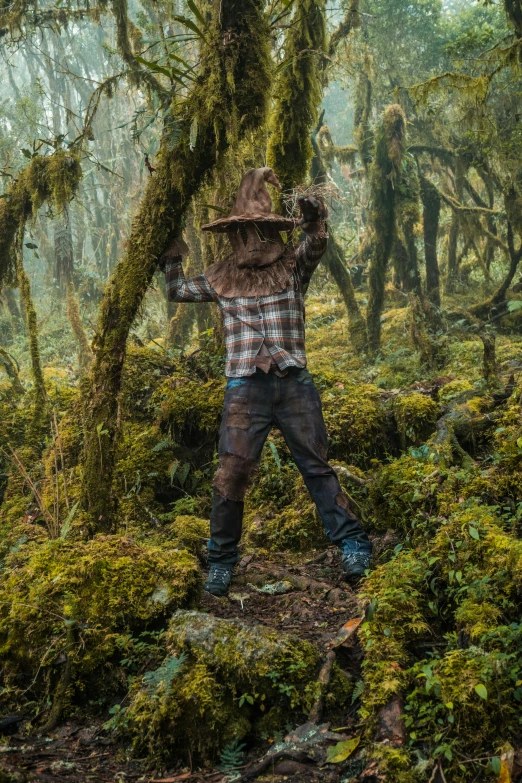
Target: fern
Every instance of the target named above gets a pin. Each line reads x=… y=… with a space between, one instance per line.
x=163 y=444
x=232 y=756
x=357 y=691
x=164 y=674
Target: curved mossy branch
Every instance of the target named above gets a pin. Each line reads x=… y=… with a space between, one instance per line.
x=334 y=260
x=11 y=369
x=228 y=100
x=351 y=21
x=55 y=179
x=298 y=92
x=334 y=256
x=483 y=309
x=330 y=152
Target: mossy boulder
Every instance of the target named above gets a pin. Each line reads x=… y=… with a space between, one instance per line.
x=396 y=591
x=227 y=679
x=62 y=601
x=191 y=404
x=416 y=416
x=295 y=529
x=450 y=391
x=355 y=422
x=189 y=532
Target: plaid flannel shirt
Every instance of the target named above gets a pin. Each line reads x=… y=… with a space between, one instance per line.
x=276 y=320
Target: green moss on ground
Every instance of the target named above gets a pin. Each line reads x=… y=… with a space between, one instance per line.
x=72 y=603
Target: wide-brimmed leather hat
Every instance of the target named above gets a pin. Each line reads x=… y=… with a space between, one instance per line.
x=253 y=204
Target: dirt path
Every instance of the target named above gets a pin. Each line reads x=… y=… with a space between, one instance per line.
x=310 y=601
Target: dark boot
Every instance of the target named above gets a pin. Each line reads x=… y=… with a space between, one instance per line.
x=219 y=578
x=356 y=558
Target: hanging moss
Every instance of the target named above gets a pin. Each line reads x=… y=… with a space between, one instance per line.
x=297 y=95
x=55 y=179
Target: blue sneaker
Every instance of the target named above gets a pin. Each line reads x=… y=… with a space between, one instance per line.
x=356 y=558
x=219 y=578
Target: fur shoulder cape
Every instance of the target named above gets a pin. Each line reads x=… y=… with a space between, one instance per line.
x=229 y=280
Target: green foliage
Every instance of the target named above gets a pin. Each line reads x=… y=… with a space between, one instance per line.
x=232 y=756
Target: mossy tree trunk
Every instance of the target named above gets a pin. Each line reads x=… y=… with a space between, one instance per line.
x=430 y=223
x=203 y=309
x=384 y=171
x=298 y=93
x=489 y=358
x=454 y=232
x=229 y=98
x=38 y=423
x=12 y=306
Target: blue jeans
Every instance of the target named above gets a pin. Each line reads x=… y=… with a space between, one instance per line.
x=252 y=406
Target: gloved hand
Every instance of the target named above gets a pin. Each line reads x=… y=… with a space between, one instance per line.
x=176 y=250
x=313 y=211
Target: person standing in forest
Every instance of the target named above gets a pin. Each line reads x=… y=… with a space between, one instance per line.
x=260 y=289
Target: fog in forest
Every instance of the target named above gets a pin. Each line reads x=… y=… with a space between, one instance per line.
x=178 y=601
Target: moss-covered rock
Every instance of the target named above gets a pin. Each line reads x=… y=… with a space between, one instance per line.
x=416 y=416
x=397 y=618
x=355 y=422
x=189 y=532
x=450 y=391
x=228 y=678
x=72 y=602
x=192 y=404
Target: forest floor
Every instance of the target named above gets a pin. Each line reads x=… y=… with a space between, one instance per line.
x=316 y=605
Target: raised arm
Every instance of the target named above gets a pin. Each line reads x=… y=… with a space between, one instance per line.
x=179 y=289
x=312 y=248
